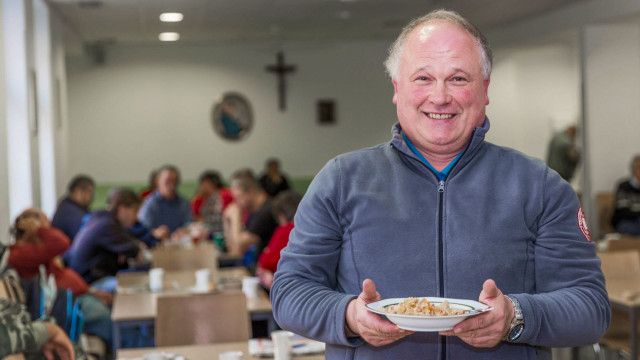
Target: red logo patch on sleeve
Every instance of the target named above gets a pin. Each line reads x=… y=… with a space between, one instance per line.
x=582 y=224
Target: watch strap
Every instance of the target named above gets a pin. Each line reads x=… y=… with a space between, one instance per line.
x=517 y=323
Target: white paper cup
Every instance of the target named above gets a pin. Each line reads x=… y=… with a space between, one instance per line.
x=231 y=355
x=203 y=279
x=186 y=241
x=250 y=286
x=156 y=279
x=281 y=345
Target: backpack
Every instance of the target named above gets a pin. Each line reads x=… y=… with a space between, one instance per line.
x=66 y=310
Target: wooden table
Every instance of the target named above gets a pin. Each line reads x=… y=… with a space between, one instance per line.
x=137 y=306
x=200 y=352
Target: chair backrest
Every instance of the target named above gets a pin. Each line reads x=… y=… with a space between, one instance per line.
x=605 y=202
x=172 y=258
x=617 y=264
x=202 y=319
x=621 y=270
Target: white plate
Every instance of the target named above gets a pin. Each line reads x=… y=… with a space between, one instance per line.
x=429 y=323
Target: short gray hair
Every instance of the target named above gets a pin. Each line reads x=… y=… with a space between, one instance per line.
x=395 y=51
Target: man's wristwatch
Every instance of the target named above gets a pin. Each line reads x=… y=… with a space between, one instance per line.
x=517 y=324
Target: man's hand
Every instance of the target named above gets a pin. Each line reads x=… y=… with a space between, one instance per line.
x=369 y=326
x=486 y=330
x=58 y=344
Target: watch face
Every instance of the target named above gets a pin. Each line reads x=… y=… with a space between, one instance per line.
x=515 y=332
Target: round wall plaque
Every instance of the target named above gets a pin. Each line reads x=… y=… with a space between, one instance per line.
x=232 y=117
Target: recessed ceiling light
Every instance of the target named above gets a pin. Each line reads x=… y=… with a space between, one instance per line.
x=171 y=17
x=169 y=36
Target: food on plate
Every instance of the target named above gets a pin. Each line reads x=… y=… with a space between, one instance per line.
x=422 y=306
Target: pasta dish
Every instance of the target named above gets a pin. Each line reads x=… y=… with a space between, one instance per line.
x=422 y=306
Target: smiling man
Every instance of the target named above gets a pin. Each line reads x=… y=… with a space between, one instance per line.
x=438 y=211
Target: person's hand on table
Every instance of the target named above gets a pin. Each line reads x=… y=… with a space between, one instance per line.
x=105 y=297
x=179 y=233
x=58 y=344
x=161 y=232
x=369 y=326
x=489 y=329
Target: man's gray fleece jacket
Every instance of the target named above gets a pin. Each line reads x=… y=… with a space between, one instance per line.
x=380 y=213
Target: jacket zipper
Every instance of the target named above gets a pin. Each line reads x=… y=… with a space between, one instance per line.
x=443 y=340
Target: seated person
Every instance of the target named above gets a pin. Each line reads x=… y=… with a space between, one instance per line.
x=250 y=198
x=19 y=334
x=273 y=181
x=210 y=201
x=284 y=208
x=73 y=209
x=626 y=216
x=37 y=243
x=165 y=207
x=104 y=246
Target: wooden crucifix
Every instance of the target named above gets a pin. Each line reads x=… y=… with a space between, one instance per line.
x=281 y=69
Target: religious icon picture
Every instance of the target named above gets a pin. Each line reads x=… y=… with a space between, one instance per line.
x=326 y=112
x=232 y=117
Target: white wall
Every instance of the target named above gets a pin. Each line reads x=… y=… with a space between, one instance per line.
x=16 y=33
x=151 y=105
x=613 y=101
x=4 y=172
x=59 y=95
x=534 y=91
x=42 y=44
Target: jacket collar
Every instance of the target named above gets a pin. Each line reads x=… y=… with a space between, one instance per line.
x=477 y=139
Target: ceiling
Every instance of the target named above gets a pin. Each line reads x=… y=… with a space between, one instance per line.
x=216 y=21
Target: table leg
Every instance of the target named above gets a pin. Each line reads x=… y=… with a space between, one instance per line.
x=116 y=343
x=633 y=343
x=575 y=353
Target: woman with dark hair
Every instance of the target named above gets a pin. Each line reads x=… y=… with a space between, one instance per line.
x=210 y=201
x=104 y=246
